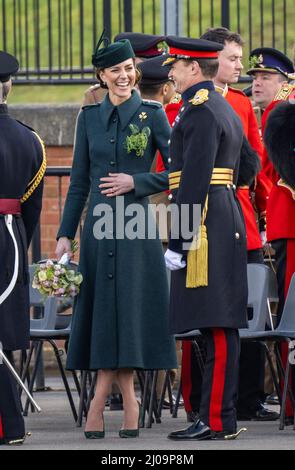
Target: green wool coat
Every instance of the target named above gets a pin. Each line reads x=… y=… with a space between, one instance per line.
x=121 y=314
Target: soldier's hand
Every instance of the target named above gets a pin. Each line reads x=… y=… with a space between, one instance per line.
x=63 y=246
x=116 y=184
x=174 y=260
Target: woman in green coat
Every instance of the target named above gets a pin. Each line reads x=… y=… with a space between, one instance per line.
x=121 y=314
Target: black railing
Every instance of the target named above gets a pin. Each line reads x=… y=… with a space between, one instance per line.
x=54 y=39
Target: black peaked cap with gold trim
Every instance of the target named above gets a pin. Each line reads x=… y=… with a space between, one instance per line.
x=268 y=59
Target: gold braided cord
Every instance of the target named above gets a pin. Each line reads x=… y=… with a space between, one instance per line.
x=34 y=183
x=284 y=92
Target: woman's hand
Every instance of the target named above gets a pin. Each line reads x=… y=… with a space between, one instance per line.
x=116 y=184
x=63 y=246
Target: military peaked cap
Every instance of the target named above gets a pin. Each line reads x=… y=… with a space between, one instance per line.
x=152 y=72
x=145 y=45
x=187 y=48
x=8 y=66
x=267 y=59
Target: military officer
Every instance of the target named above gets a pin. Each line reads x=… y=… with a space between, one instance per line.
x=251 y=378
x=209 y=276
x=272 y=70
x=23 y=164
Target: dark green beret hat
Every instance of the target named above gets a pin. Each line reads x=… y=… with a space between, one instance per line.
x=111 y=54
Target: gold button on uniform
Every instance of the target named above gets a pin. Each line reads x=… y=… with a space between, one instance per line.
x=237 y=235
x=169 y=160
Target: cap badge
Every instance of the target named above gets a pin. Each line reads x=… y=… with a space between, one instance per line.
x=163 y=47
x=256 y=61
x=200 y=97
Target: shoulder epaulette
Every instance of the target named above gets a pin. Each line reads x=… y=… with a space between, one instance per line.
x=34 y=183
x=285 y=92
x=200 y=97
x=153 y=103
x=89 y=106
x=177 y=99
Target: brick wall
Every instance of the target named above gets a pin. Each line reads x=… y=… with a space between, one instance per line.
x=50 y=217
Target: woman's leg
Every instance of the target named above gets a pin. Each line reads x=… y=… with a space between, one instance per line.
x=105 y=379
x=130 y=404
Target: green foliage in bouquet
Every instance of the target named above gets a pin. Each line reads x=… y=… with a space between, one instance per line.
x=138 y=140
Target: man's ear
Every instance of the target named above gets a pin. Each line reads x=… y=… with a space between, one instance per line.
x=165 y=89
x=195 y=67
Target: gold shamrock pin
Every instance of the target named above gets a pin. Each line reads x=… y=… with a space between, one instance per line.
x=143 y=116
x=200 y=97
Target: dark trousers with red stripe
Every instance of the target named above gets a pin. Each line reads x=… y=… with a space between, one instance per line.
x=11 y=419
x=251 y=369
x=220 y=379
x=191 y=377
x=285 y=267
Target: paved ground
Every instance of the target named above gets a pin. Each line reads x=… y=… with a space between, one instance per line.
x=54 y=429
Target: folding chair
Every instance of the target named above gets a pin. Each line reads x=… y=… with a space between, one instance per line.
x=47 y=329
x=284 y=332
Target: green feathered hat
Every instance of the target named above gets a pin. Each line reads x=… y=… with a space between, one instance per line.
x=111 y=54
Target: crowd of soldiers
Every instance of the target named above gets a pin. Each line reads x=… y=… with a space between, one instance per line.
x=217 y=159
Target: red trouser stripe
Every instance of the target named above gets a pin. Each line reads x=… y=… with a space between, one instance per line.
x=290 y=269
x=1 y=429
x=186 y=380
x=218 y=382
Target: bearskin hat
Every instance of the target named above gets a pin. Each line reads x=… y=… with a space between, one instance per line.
x=279 y=138
x=249 y=164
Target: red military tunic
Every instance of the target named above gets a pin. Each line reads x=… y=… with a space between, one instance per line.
x=281 y=203
x=243 y=107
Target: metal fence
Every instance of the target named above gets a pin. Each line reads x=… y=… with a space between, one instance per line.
x=54 y=39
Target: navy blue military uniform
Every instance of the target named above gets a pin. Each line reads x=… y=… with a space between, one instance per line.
x=22 y=163
x=205 y=150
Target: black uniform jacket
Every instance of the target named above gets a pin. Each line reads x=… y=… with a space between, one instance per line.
x=21 y=156
x=208 y=134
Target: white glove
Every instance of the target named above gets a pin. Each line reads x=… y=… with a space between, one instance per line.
x=263 y=238
x=174 y=260
x=65 y=259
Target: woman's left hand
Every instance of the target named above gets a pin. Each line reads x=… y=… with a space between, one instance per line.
x=116 y=184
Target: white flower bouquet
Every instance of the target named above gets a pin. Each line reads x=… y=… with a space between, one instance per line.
x=56 y=279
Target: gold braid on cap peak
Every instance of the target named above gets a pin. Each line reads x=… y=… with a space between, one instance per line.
x=34 y=183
